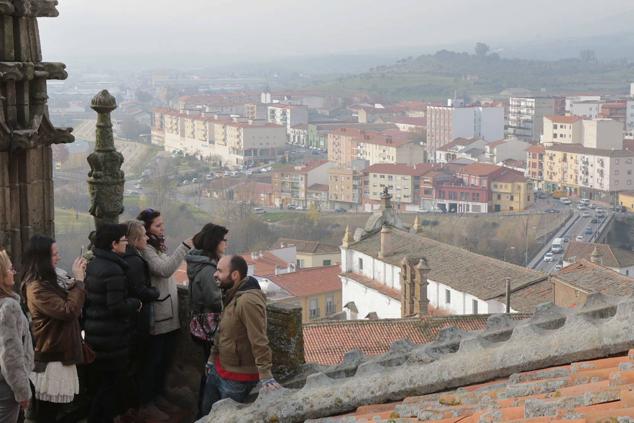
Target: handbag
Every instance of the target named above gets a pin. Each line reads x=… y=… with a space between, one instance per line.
x=203 y=326
x=88 y=353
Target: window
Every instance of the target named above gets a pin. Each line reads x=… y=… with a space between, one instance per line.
x=327 y=263
x=300 y=263
x=499 y=197
x=511 y=198
x=447 y=296
x=360 y=264
x=474 y=306
x=313 y=308
x=330 y=305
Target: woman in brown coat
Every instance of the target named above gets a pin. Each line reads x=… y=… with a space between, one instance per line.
x=55 y=304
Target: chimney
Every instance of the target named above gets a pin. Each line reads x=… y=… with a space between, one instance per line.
x=508 y=295
x=407 y=289
x=422 y=270
x=352 y=310
x=372 y=316
x=386 y=242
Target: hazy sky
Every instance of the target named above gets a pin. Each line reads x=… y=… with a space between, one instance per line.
x=216 y=31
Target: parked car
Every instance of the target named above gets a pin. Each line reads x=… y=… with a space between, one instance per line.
x=566 y=239
x=340 y=210
x=299 y=208
x=565 y=200
x=579 y=237
x=594 y=220
x=581 y=207
x=259 y=210
x=548 y=257
x=558 y=267
x=551 y=211
x=291 y=207
x=588 y=231
x=585 y=214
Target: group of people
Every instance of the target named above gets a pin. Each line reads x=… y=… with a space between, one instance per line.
x=117 y=320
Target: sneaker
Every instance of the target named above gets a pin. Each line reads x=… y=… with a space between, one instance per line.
x=152 y=412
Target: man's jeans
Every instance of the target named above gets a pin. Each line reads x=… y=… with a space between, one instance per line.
x=217 y=388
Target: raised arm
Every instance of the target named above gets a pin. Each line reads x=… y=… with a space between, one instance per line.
x=163 y=265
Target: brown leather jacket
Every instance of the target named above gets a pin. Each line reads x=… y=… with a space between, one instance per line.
x=55 y=315
x=241 y=340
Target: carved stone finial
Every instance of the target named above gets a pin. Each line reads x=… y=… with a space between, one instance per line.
x=386 y=199
x=596 y=256
x=347 y=238
x=105 y=179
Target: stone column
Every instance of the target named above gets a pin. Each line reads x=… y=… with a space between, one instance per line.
x=105 y=179
x=286 y=338
x=422 y=270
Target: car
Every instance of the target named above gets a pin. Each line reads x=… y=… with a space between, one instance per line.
x=566 y=239
x=588 y=231
x=585 y=214
x=299 y=208
x=259 y=210
x=551 y=211
x=579 y=238
x=548 y=257
x=291 y=207
x=194 y=180
x=593 y=206
x=585 y=201
x=581 y=207
x=565 y=200
x=594 y=220
x=226 y=173
x=209 y=177
x=138 y=186
x=558 y=267
x=340 y=210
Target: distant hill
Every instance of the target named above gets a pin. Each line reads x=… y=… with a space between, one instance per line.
x=440 y=75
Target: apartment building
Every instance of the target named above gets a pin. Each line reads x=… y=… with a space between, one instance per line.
x=287 y=115
x=344 y=186
x=446 y=123
x=291 y=184
x=510 y=191
x=234 y=142
x=587 y=109
x=588 y=171
x=403 y=182
x=629 y=120
x=460 y=148
x=535 y=164
x=390 y=148
x=501 y=150
x=591 y=133
x=525 y=116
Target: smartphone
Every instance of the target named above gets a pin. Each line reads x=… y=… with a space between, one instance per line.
x=81 y=253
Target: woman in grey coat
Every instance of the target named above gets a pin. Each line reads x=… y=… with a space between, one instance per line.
x=16 y=348
x=164 y=324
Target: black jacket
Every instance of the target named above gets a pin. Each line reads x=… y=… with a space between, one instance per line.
x=109 y=308
x=205 y=294
x=138 y=275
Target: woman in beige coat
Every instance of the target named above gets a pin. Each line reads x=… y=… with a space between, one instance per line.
x=164 y=323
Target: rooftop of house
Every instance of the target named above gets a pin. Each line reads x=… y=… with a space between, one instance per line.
x=265 y=262
x=318 y=187
x=510 y=176
x=307 y=247
x=560 y=365
x=580 y=149
x=458 y=142
x=591 y=277
x=537 y=148
x=401 y=169
x=514 y=163
x=475 y=274
x=480 y=169
x=310 y=281
x=303 y=168
x=327 y=342
x=564 y=119
x=494 y=144
x=610 y=256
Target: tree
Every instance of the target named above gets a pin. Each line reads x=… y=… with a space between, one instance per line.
x=481 y=49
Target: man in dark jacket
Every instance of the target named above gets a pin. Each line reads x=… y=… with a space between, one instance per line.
x=241 y=355
x=109 y=310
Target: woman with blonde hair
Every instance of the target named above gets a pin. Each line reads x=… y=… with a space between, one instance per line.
x=16 y=348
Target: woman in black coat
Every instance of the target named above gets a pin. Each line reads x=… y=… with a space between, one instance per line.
x=109 y=311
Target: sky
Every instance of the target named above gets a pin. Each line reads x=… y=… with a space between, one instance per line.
x=194 y=32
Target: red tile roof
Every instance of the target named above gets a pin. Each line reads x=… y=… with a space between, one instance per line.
x=494 y=144
x=266 y=264
x=564 y=119
x=539 y=148
x=310 y=281
x=327 y=342
x=480 y=169
x=509 y=176
x=583 y=392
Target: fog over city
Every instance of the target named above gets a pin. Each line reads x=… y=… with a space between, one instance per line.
x=220 y=32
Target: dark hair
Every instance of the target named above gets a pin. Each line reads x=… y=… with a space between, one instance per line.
x=147 y=216
x=38 y=261
x=238 y=263
x=108 y=233
x=208 y=239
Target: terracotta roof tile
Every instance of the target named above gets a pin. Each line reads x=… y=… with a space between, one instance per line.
x=591 y=277
x=563 y=119
x=576 y=400
x=310 y=281
x=327 y=342
x=305 y=246
x=538 y=148
x=610 y=256
x=266 y=264
x=401 y=169
x=480 y=169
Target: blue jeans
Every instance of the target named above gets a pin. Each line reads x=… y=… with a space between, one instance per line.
x=217 y=388
x=9 y=408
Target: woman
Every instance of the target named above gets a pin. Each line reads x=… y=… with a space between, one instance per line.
x=109 y=311
x=165 y=325
x=16 y=348
x=205 y=294
x=55 y=305
x=138 y=275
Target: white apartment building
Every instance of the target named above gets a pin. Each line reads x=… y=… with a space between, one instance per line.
x=514 y=149
x=629 y=117
x=578 y=99
x=588 y=109
x=234 y=143
x=525 y=117
x=380 y=149
x=287 y=115
x=591 y=133
x=446 y=123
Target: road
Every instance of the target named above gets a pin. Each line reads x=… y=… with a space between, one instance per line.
x=576 y=229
